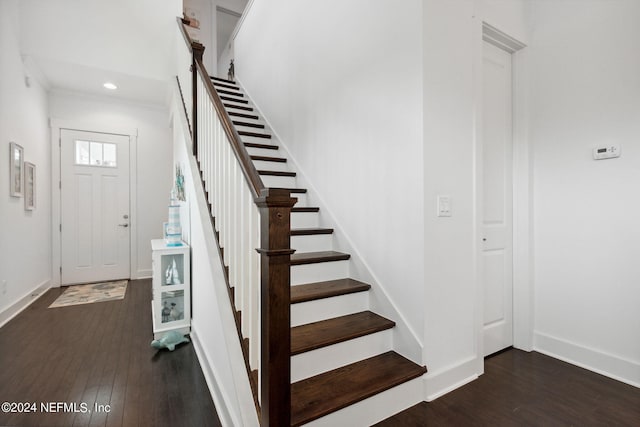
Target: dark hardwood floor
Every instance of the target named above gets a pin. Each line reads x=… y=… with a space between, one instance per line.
x=99 y=354
x=529 y=389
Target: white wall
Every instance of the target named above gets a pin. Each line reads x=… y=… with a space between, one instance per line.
x=449 y=258
x=154 y=156
x=452 y=38
x=340 y=84
x=585 y=90
x=25 y=248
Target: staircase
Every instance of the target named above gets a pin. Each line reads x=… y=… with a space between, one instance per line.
x=343 y=367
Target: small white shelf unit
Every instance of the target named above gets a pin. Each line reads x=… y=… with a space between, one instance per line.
x=171 y=303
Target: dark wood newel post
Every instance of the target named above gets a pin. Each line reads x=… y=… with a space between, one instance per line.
x=275 y=221
x=197 y=51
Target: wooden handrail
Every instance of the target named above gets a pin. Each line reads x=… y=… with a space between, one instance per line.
x=275 y=252
x=248 y=168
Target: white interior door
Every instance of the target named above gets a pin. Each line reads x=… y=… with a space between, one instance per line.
x=497 y=227
x=95 y=232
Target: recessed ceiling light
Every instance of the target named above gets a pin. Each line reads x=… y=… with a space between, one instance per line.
x=110 y=86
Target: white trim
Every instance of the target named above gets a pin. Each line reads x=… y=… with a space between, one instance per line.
x=439 y=383
x=57 y=126
x=500 y=39
x=245 y=12
x=609 y=365
x=210 y=377
x=17 y=307
x=144 y=274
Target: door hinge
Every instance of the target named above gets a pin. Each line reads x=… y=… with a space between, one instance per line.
x=60 y=185
x=60 y=269
x=60 y=142
x=61 y=228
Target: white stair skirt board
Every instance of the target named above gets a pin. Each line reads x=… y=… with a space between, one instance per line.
x=304 y=219
x=271 y=166
x=279 y=181
x=376 y=408
x=312 y=243
x=327 y=308
x=325 y=359
x=320 y=272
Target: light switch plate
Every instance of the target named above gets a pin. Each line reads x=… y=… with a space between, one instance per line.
x=444 y=206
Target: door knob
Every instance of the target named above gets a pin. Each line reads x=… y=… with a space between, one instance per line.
x=123 y=225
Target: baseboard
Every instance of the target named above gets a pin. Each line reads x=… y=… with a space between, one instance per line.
x=24 y=302
x=210 y=378
x=446 y=380
x=624 y=370
x=144 y=274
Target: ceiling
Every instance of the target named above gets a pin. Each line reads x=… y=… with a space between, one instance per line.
x=78 y=45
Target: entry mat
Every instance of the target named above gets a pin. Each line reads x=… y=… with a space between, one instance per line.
x=93 y=292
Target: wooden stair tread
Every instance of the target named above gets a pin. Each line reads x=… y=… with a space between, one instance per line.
x=254 y=134
x=228 y=92
x=328 y=289
x=315 y=397
x=218 y=84
x=305 y=209
x=256 y=145
x=338 y=329
x=276 y=173
x=316 y=257
x=219 y=79
x=239 y=107
x=293 y=190
x=228 y=98
x=247 y=124
x=269 y=159
x=310 y=231
x=244 y=116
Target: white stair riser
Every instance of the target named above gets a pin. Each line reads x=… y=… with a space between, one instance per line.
x=376 y=408
x=309 y=273
x=302 y=199
x=270 y=166
x=279 y=181
x=246 y=128
x=324 y=359
x=327 y=308
x=258 y=140
x=304 y=219
x=262 y=151
x=312 y=243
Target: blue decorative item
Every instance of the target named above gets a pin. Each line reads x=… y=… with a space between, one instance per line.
x=169 y=341
x=174 y=229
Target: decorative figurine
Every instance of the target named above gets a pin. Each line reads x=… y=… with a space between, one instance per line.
x=169 y=341
x=174 y=314
x=175 y=276
x=180 y=184
x=166 y=311
x=231 y=74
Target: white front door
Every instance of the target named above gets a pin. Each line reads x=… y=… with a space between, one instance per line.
x=95 y=232
x=497 y=209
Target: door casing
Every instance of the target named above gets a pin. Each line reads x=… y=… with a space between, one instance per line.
x=56 y=207
x=522 y=191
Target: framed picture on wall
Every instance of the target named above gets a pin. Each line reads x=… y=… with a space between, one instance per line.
x=16 y=161
x=29 y=186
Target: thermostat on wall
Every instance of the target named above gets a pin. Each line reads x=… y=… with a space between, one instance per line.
x=606 y=152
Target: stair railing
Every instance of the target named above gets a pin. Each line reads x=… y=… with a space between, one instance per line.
x=252 y=226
